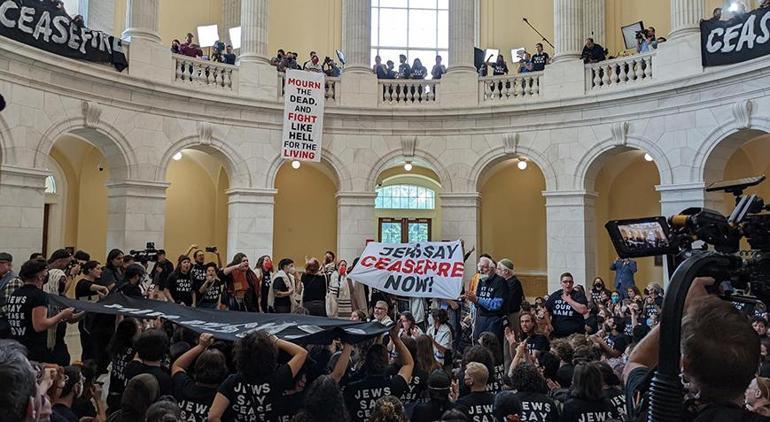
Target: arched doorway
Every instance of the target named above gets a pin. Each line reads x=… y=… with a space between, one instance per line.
x=408 y=205
x=305 y=212
x=196 y=203
x=513 y=220
x=736 y=160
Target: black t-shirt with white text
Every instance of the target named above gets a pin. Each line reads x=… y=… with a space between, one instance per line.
x=564 y=318
x=619 y=342
x=212 y=295
x=136 y=367
x=617 y=398
x=537 y=407
x=258 y=399
x=118 y=373
x=417 y=387
x=19 y=313
x=539 y=60
x=479 y=407
x=538 y=343
x=181 y=287
x=492 y=289
x=194 y=399
x=361 y=395
x=198 y=274
x=579 y=410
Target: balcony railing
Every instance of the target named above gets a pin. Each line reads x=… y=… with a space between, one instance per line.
x=619 y=72
x=497 y=89
x=331 y=86
x=205 y=73
x=408 y=92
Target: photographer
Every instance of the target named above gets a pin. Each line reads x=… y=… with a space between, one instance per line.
x=162 y=268
x=720 y=354
x=330 y=68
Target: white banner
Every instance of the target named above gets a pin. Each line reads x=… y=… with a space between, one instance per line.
x=430 y=269
x=303 y=115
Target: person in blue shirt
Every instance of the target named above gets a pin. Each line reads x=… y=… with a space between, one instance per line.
x=624 y=275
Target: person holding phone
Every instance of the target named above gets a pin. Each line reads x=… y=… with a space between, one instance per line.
x=210 y=291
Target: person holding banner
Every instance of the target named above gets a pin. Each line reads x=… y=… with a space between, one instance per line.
x=490 y=298
x=282 y=287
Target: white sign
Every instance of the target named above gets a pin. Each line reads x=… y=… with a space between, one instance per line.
x=429 y=269
x=303 y=115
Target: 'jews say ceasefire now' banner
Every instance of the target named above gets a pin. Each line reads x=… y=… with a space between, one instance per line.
x=430 y=269
x=42 y=25
x=736 y=40
x=303 y=115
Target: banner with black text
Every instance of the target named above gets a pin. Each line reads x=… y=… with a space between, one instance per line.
x=304 y=96
x=736 y=40
x=42 y=25
x=231 y=325
x=429 y=269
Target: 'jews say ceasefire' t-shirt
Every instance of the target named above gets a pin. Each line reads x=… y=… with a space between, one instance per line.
x=579 y=410
x=537 y=407
x=181 y=288
x=194 y=399
x=19 y=313
x=478 y=406
x=361 y=395
x=564 y=318
x=257 y=399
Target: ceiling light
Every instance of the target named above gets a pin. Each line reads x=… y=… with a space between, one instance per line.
x=408 y=166
x=177 y=156
x=522 y=164
x=295 y=164
x=647 y=157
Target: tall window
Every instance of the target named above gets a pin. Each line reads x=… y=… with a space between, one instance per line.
x=405 y=197
x=416 y=28
x=50 y=185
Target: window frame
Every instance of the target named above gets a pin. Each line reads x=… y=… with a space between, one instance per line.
x=379 y=201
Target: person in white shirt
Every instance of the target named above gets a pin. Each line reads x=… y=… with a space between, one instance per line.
x=441 y=334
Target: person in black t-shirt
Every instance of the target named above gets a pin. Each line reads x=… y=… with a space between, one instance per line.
x=439 y=385
x=323 y=402
x=613 y=391
x=536 y=342
x=196 y=395
x=27 y=311
x=478 y=405
x=257 y=388
x=121 y=351
x=198 y=269
x=592 y=52
x=112 y=276
x=210 y=291
x=720 y=352
x=612 y=339
x=438 y=69
x=567 y=307
x=134 y=276
x=72 y=389
x=586 y=401
x=162 y=269
x=178 y=287
x=404 y=70
x=489 y=298
x=539 y=59
x=532 y=390
x=264 y=272
x=314 y=288
x=151 y=348
x=88 y=289
x=282 y=287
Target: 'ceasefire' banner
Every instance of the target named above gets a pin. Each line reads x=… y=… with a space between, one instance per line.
x=303 y=115
x=231 y=325
x=735 y=40
x=430 y=269
x=42 y=25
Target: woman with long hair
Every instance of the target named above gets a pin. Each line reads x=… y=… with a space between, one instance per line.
x=112 y=276
x=314 y=288
x=264 y=271
x=424 y=359
x=178 y=287
x=491 y=343
x=242 y=285
x=121 y=352
x=440 y=333
x=340 y=288
x=587 y=396
x=323 y=402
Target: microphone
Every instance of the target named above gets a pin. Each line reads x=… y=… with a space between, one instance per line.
x=525 y=20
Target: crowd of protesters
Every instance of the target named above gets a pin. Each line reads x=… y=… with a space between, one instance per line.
x=490 y=355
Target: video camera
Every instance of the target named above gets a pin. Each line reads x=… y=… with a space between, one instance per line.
x=149 y=254
x=747 y=270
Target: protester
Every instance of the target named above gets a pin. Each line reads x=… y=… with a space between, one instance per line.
x=592 y=52
x=438 y=70
x=489 y=298
x=540 y=59
x=196 y=393
x=241 y=284
x=314 y=288
x=566 y=308
x=283 y=287
x=587 y=400
x=478 y=403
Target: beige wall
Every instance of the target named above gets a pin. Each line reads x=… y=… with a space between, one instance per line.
x=303 y=25
x=501 y=24
x=305 y=216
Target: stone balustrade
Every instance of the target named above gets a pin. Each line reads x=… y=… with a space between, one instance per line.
x=618 y=72
x=405 y=92
x=331 y=86
x=510 y=87
x=205 y=73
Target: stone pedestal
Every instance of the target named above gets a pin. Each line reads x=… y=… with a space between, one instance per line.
x=250 y=222
x=564 y=79
x=460 y=220
x=147 y=57
x=678 y=57
x=21 y=211
x=459 y=89
x=136 y=214
x=355 y=223
x=571 y=229
x=358 y=90
x=258 y=80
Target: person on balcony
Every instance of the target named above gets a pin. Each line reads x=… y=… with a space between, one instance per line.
x=189 y=48
x=175 y=47
x=525 y=65
x=378 y=68
x=418 y=70
x=310 y=61
x=592 y=52
x=331 y=69
x=229 y=56
x=539 y=59
x=404 y=70
x=438 y=69
x=275 y=61
x=313 y=64
x=500 y=67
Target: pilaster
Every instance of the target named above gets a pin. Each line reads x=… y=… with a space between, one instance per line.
x=460 y=220
x=21 y=210
x=136 y=213
x=355 y=223
x=250 y=221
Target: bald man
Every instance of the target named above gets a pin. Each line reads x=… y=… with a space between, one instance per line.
x=478 y=404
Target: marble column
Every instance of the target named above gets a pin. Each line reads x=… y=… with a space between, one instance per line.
x=136 y=214
x=357 y=35
x=593 y=21
x=355 y=223
x=685 y=17
x=250 y=222
x=231 y=17
x=254 y=31
x=571 y=229
x=568 y=29
x=99 y=14
x=21 y=211
x=462 y=29
x=148 y=58
x=460 y=220
x=142 y=20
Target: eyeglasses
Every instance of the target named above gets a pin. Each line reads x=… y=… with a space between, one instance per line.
x=379 y=308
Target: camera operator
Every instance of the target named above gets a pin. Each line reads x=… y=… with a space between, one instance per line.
x=331 y=69
x=162 y=268
x=720 y=354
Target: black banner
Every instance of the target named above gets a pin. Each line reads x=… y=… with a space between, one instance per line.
x=736 y=40
x=231 y=325
x=40 y=24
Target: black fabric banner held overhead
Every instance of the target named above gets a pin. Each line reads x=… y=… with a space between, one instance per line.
x=231 y=325
x=40 y=24
x=736 y=40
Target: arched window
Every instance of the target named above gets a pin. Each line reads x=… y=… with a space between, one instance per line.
x=415 y=28
x=50 y=185
x=405 y=197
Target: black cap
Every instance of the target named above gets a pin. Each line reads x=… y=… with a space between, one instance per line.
x=59 y=254
x=439 y=380
x=507 y=404
x=6 y=257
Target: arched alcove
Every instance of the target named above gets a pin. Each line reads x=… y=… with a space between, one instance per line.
x=408 y=205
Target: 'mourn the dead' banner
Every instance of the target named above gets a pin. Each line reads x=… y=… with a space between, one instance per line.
x=736 y=40
x=231 y=325
x=41 y=24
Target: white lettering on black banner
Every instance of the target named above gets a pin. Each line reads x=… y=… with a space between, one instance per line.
x=736 y=40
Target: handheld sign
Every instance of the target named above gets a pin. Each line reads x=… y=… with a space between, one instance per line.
x=303 y=115
x=429 y=269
